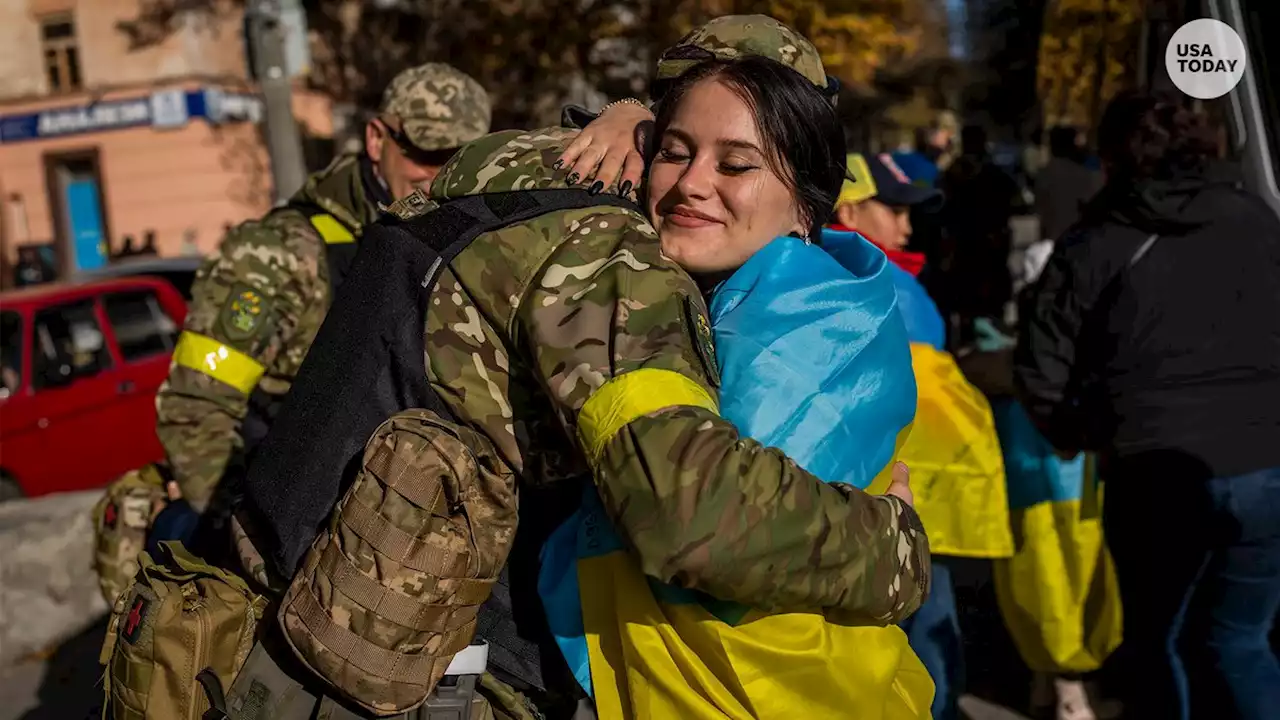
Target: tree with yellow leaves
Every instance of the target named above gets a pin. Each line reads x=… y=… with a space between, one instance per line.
x=1087 y=50
x=857 y=38
x=532 y=54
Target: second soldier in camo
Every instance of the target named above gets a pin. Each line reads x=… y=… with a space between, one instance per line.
x=259 y=300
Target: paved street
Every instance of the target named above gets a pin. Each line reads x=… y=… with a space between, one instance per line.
x=63 y=686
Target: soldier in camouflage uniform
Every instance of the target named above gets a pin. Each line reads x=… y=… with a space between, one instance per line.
x=579 y=350
x=574 y=345
x=546 y=318
x=259 y=300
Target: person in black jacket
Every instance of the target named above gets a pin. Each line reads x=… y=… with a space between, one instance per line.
x=1153 y=338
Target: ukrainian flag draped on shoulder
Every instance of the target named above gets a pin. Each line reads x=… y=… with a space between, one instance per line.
x=814 y=360
x=957 y=472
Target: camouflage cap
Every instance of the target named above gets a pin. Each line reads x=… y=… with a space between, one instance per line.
x=437 y=106
x=734 y=36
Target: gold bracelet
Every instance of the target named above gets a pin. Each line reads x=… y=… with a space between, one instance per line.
x=624 y=101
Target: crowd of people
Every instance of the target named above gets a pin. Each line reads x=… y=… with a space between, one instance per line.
x=665 y=416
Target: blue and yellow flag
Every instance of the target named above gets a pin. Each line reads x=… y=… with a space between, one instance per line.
x=957 y=472
x=1058 y=594
x=814 y=360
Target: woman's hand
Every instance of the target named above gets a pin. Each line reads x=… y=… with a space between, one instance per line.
x=610 y=150
x=900 y=484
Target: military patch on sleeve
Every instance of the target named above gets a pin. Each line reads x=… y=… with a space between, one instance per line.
x=244 y=313
x=703 y=342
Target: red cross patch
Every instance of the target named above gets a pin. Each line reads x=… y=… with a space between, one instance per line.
x=133 y=621
x=110 y=515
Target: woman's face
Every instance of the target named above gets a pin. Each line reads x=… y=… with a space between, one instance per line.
x=713 y=196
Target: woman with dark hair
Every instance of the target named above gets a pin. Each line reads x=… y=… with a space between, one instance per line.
x=812 y=358
x=1153 y=339
x=747 y=151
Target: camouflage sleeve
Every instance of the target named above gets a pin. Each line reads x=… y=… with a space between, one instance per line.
x=247 y=305
x=620 y=336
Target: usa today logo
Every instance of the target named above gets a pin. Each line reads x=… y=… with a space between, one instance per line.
x=1205 y=59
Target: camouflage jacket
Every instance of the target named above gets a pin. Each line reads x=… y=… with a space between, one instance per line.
x=256 y=305
x=578 y=348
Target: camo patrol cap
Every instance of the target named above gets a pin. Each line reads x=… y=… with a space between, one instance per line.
x=437 y=106
x=734 y=36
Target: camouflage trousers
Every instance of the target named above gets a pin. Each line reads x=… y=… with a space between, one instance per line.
x=264 y=690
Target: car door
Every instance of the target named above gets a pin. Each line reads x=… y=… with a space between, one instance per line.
x=17 y=406
x=75 y=381
x=145 y=333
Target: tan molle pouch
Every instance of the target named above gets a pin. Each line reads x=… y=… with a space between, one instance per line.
x=177 y=638
x=121 y=520
x=389 y=593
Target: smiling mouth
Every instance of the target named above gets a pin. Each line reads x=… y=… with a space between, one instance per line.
x=686 y=218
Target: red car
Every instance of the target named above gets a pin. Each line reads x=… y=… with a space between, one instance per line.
x=79 y=369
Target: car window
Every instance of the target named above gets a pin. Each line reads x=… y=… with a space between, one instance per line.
x=142 y=328
x=10 y=353
x=68 y=344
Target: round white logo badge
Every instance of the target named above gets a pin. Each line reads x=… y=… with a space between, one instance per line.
x=1205 y=59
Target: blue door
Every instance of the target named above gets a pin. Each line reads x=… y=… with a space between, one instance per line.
x=84 y=223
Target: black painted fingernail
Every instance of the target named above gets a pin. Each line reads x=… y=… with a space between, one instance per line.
x=572 y=179
x=596 y=187
x=626 y=187
x=558 y=164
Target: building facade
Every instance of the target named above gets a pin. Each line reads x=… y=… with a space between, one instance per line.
x=117 y=126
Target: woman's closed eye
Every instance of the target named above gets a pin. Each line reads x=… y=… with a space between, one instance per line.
x=736 y=167
x=730 y=166
x=673 y=155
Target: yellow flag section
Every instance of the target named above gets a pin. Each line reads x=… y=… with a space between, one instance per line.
x=663 y=660
x=957 y=472
x=658 y=652
x=1058 y=594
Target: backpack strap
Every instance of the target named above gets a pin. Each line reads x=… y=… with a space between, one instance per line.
x=214 y=694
